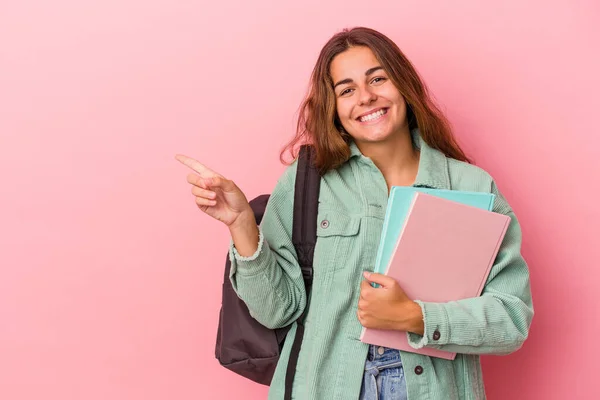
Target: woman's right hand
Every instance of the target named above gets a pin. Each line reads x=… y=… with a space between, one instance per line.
x=217 y=196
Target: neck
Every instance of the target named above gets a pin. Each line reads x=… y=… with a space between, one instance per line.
x=396 y=158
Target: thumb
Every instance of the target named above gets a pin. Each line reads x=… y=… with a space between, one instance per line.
x=380 y=279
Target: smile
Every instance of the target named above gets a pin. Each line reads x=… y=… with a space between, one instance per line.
x=373 y=116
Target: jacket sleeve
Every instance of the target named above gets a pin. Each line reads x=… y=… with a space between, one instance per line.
x=270 y=281
x=498 y=321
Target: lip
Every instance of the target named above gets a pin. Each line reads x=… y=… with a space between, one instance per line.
x=370 y=112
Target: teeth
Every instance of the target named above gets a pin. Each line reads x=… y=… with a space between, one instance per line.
x=373 y=116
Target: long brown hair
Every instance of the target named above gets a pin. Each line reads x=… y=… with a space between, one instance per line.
x=319 y=125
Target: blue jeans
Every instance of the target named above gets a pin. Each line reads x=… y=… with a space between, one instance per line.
x=384 y=375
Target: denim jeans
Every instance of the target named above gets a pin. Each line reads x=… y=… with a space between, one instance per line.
x=384 y=375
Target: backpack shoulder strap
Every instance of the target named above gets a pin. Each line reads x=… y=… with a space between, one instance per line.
x=306 y=207
x=304 y=237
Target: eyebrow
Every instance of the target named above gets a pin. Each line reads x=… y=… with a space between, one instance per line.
x=348 y=80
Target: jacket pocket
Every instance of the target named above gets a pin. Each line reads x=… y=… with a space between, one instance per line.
x=337 y=235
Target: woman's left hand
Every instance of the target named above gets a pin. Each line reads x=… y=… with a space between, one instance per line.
x=387 y=307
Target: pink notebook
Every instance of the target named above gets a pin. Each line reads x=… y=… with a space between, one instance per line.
x=444 y=252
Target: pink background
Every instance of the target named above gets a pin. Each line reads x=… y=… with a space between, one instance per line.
x=110 y=277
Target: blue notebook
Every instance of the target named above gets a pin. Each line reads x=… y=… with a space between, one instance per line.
x=399 y=202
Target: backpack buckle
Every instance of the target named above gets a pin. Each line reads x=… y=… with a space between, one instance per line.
x=307 y=274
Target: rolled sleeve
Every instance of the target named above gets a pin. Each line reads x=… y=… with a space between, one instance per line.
x=437 y=326
x=251 y=265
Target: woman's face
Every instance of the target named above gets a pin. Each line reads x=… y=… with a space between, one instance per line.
x=369 y=106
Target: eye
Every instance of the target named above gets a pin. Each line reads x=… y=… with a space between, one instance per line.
x=378 y=79
x=345 y=91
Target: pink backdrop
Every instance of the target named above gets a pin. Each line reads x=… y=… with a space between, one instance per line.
x=110 y=277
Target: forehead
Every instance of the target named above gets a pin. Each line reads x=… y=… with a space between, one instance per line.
x=352 y=63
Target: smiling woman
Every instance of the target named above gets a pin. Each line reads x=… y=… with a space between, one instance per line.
x=358 y=73
x=385 y=115
x=372 y=125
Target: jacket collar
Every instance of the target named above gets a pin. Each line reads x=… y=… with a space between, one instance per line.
x=433 y=164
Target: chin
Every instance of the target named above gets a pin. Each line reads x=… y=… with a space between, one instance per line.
x=374 y=137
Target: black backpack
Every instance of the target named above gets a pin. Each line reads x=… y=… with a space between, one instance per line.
x=244 y=346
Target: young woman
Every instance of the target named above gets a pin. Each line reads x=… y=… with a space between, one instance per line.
x=373 y=125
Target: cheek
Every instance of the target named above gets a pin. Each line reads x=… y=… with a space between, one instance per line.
x=402 y=110
x=391 y=93
x=401 y=106
x=344 y=110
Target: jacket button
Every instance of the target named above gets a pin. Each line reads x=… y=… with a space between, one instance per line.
x=418 y=370
x=324 y=224
x=436 y=335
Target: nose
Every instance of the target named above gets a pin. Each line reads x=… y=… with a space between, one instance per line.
x=366 y=96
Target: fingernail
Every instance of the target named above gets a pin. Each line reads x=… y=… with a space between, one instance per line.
x=367 y=274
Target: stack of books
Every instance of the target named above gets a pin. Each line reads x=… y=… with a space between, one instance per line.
x=439 y=245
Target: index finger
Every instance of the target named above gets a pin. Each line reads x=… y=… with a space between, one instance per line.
x=195 y=165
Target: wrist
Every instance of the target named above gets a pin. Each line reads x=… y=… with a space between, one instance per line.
x=244 y=221
x=245 y=234
x=412 y=318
